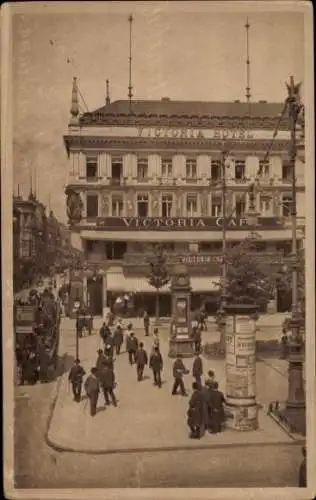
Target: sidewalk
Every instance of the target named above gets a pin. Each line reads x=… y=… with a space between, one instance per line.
x=148 y=418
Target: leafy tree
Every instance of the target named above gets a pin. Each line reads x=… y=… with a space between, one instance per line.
x=158 y=275
x=248 y=281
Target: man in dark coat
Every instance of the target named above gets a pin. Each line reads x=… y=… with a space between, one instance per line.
x=118 y=338
x=197 y=337
x=196 y=412
x=107 y=379
x=100 y=359
x=141 y=360
x=207 y=390
x=197 y=369
x=156 y=364
x=131 y=345
x=217 y=401
x=178 y=371
x=146 y=323
x=92 y=388
x=75 y=377
x=44 y=362
x=109 y=345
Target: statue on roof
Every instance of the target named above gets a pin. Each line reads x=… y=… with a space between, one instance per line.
x=74 y=206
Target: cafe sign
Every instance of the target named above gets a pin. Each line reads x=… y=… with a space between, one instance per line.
x=182 y=223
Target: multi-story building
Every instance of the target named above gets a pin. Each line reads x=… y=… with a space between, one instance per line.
x=149 y=171
x=29 y=222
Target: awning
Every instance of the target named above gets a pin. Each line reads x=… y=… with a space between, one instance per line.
x=117 y=282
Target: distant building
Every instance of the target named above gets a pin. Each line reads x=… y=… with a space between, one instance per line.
x=41 y=244
x=150 y=173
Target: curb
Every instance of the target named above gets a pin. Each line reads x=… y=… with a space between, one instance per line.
x=295 y=437
x=81 y=451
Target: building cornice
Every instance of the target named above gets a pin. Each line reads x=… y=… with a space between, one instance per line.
x=78 y=142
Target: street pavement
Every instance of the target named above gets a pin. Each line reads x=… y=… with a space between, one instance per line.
x=37 y=465
x=148 y=417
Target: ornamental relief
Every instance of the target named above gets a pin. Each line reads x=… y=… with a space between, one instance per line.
x=204 y=204
x=155 y=203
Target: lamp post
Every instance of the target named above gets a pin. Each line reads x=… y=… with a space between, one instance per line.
x=295 y=404
x=223 y=300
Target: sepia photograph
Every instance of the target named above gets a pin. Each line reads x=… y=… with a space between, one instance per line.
x=158 y=248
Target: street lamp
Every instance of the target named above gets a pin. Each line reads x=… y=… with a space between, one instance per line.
x=295 y=404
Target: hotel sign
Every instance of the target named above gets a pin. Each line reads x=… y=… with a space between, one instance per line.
x=191 y=133
x=181 y=223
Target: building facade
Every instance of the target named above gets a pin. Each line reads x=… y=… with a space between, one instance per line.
x=149 y=172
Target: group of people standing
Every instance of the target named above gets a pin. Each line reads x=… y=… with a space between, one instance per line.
x=206 y=404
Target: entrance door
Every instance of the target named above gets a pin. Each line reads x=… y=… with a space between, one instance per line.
x=95 y=296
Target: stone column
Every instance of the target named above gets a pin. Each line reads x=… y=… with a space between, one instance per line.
x=241 y=369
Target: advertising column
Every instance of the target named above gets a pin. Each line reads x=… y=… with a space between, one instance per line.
x=241 y=374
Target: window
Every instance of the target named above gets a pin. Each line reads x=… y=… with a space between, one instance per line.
x=287 y=171
x=89 y=246
x=117 y=206
x=265 y=206
x=240 y=206
x=91 y=167
x=27 y=244
x=216 y=208
x=211 y=247
x=117 y=168
x=92 y=205
x=191 y=168
x=166 y=205
x=286 y=205
x=215 y=170
x=240 y=169
x=166 y=167
x=142 y=205
x=142 y=168
x=191 y=205
x=264 y=167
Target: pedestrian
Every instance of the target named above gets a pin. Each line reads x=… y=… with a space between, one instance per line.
x=107 y=379
x=141 y=360
x=197 y=337
x=196 y=412
x=146 y=323
x=118 y=338
x=100 y=359
x=207 y=390
x=103 y=332
x=131 y=344
x=44 y=362
x=217 y=401
x=178 y=371
x=92 y=388
x=75 y=377
x=302 y=479
x=197 y=369
x=108 y=359
x=156 y=340
x=156 y=365
x=109 y=346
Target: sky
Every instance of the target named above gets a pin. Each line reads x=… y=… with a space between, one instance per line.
x=185 y=54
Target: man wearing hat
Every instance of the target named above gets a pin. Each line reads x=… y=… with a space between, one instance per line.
x=197 y=369
x=156 y=364
x=92 y=388
x=178 y=371
x=131 y=344
x=141 y=360
x=75 y=377
x=100 y=359
x=118 y=338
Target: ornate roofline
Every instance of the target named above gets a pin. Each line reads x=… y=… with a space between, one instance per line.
x=194 y=121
